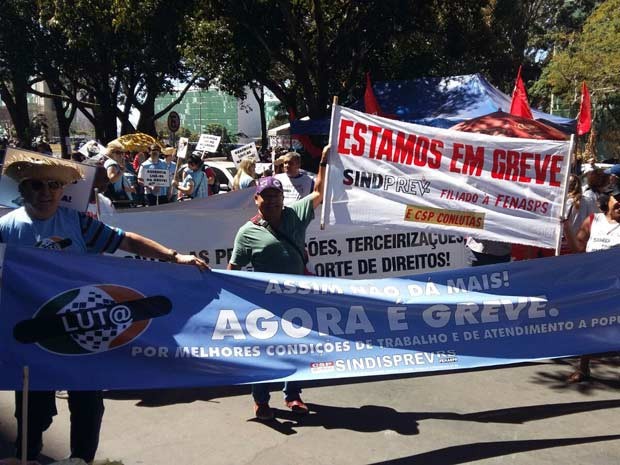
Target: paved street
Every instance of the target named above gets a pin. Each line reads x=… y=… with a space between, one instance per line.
x=518 y=415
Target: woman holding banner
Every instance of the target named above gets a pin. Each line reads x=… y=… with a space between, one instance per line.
x=599 y=231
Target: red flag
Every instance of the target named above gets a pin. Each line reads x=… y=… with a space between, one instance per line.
x=370 y=101
x=519 y=105
x=584 y=119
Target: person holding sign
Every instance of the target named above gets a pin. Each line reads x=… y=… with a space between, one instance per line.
x=155 y=195
x=43 y=223
x=195 y=184
x=273 y=242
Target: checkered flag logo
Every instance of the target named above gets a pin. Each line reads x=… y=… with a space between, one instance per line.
x=90 y=298
x=91 y=319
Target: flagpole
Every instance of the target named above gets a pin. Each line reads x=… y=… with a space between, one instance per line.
x=97 y=207
x=326 y=180
x=571 y=156
x=25 y=389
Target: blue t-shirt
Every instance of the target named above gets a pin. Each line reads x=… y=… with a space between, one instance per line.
x=66 y=229
x=122 y=183
x=201 y=183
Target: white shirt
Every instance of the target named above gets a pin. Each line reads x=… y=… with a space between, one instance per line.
x=295 y=188
x=603 y=235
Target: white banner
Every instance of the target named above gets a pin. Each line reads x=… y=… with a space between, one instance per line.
x=208 y=143
x=342 y=251
x=391 y=173
x=156 y=177
x=245 y=151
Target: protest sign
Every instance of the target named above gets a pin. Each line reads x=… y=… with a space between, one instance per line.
x=92 y=148
x=156 y=178
x=208 y=143
x=339 y=251
x=245 y=151
x=75 y=195
x=386 y=172
x=129 y=324
x=182 y=147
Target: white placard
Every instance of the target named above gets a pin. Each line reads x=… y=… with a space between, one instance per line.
x=245 y=151
x=75 y=195
x=182 y=147
x=156 y=178
x=208 y=143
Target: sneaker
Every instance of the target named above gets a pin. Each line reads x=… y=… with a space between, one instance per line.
x=263 y=412
x=297 y=406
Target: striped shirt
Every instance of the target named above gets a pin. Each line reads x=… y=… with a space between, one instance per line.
x=66 y=229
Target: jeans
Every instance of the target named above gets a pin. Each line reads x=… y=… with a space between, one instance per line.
x=86 y=409
x=260 y=392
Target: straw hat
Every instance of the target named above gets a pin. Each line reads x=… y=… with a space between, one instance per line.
x=22 y=167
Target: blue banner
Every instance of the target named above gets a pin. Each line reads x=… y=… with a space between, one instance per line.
x=93 y=322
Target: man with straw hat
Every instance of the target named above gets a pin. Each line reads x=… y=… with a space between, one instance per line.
x=42 y=222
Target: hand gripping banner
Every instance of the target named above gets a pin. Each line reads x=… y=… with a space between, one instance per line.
x=110 y=323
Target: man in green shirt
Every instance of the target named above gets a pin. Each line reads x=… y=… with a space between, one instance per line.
x=274 y=242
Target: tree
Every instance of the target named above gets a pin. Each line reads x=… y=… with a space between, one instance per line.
x=306 y=51
x=123 y=54
x=17 y=61
x=303 y=51
x=592 y=56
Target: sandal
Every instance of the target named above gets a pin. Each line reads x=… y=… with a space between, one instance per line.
x=578 y=376
x=297 y=406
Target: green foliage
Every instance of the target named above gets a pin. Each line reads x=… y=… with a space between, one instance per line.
x=593 y=56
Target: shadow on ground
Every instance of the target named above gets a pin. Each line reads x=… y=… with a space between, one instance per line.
x=373 y=418
x=467 y=453
x=605 y=375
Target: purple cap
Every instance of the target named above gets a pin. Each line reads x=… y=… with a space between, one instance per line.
x=615 y=170
x=269 y=182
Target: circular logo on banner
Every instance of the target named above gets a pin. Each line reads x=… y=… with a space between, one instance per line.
x=96 y=318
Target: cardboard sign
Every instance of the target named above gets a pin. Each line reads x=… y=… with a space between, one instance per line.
x=182 y=147
x=156 y=178
x=92 y=148
x=245 y=151
x=208 y=143
x=75 y=195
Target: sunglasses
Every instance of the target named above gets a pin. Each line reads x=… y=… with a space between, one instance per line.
x=37 y=185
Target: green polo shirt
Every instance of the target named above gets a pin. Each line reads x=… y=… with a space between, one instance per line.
x=256 y=245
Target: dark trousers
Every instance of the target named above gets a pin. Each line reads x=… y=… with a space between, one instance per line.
x=86 y=409
x=488 y=259
x=151 y=199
